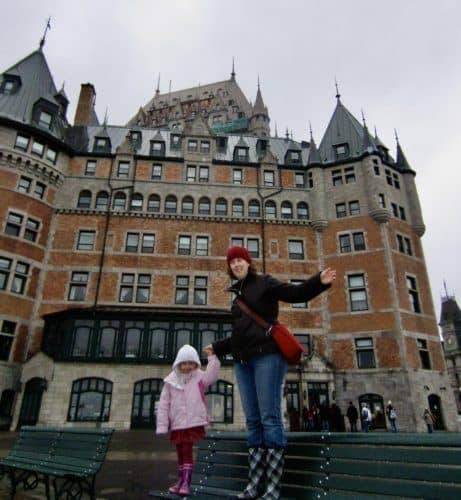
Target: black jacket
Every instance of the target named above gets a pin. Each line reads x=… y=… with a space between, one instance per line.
x=261 y=293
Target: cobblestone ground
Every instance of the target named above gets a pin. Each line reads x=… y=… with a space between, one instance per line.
x=137 y=461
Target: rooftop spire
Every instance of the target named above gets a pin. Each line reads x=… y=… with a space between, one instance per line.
x=276 y=133
x=157 y=91
x=338 y=95
x=233 y=69
x=43 y=39
x=401 y=161
x=314 y=155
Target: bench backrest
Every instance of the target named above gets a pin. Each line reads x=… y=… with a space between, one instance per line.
x=72 y=449
x=343 y=465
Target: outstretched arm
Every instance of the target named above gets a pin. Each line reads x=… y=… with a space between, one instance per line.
x=210 y=375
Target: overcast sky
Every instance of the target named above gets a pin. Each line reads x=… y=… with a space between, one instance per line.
x=399 y=61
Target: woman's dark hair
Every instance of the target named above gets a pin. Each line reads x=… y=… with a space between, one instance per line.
x=251 y=270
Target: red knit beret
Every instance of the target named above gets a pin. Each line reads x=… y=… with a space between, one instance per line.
x=238 y=253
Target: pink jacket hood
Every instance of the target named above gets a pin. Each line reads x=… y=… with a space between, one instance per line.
x=182 y=402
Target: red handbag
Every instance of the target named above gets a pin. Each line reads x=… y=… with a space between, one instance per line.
x=289 y=346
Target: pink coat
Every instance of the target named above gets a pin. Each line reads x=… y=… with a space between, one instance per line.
x=185 y=407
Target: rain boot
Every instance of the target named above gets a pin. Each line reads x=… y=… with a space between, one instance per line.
x=184 y=490
x=256 y=466
x=274 y=469
x=176 y=487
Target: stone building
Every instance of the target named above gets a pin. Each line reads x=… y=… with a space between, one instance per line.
x=450 y=323
x=113 y=243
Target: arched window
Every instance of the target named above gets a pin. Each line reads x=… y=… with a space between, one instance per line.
x=133 y=332
x=183 y=333
x=137 y=202
x=146 y=395
x=375 y=403
x=158 y=333
x=102 y=200
x=153 y=203
x=254 y=209
x=270 y=210
x=221 y=207
x=286 y=210
x=237 y=208
x=81 y=338
x=119 y=202
x=171 y=204
x=107 y=339
x=302 y=210
x=84 y=199
x=187 y=205
x=204 y=206
x=90 y=400
x=220 y=401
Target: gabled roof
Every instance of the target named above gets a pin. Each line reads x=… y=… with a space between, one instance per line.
x=36 y=83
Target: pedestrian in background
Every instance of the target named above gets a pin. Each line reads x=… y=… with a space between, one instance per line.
x=392 y=416
x=353 y=416
x=429 y=419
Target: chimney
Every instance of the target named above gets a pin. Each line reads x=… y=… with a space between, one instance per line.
x=85 y=106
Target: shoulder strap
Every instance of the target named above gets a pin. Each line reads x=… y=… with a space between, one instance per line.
x=261 y=322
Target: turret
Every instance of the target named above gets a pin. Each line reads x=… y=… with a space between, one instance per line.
x=259 y=120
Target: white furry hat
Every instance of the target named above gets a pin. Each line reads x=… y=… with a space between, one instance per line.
x=186 y=353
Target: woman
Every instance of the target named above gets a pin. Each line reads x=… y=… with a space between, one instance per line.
x=429 y=419
x=259 y=367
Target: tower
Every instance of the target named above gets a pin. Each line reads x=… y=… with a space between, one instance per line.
x=259 y=119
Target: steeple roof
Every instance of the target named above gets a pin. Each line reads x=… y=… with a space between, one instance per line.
x=35 y=83
x=369 y=144
x=314 y=155
x=401 y=161
x=259 y=108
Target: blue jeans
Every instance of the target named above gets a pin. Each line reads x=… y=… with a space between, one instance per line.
x=260 y=383
x=393 y=425
x=366 y=425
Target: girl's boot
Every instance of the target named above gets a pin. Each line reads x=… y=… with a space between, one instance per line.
x=184 y=490
x=176 y=487
x=256 y=466
x=274 y=469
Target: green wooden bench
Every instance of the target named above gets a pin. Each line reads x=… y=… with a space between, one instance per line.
x=338 y=466
x=68 y=458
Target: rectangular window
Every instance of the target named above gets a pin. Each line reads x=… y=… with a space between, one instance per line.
x=200 y=290
x=148 y=243
x=253 y=247
x=182 y=290
x=51 y=155
x=376 y=167
x=191 y=173
x=78 y=285
x=123 y=169
x=402 y=213
x=336 y=177
x=38 y=148
x=143 y=288
x=201 y=245
x=22 y=142
x=203 y=174
x=408 y=249
x=126 y=288
x=24 y=185
x=184 y=245
x=31 y=230
x=345 y=243
x=365 y=353
x=205 y=147
x=357 y=292
x=298 y=305
x=44 y=120
x=396 y=180
x=310 y=180
x=192 y=146
x=6 y=339
x=13 y=224
x=388 y=176
x=300 y=180
x=268 y=178
x=101 y=145
x=424 y=354
x=413 y=294
x=341 y=210
x=237 y=242
x=400 y=244
x=295 y=249
x=86 y=240
x=382 y=200
x=395 y=210
x=132 y=242
x=157 y=148
x=5 y=268
x=175 y=141
x=156 y=172
x=90 y=168
x=349 y=173
x=237 y=176
x=359 y=241
x=354 y=208
x=20 y=278
x=242 y=154
x=39 y=191
x=341 y=150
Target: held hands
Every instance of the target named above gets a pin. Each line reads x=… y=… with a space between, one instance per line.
x=208 y=350
x=327 y=276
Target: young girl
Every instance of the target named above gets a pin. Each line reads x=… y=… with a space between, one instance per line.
x=182 y=408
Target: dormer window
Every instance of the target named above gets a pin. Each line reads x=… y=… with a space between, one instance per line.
x=241 y=154
x=221 y=144
x=10 y=84
x=384 y=153
x=44 y=120
x=261 y=146
x=341 y=151
x=101 y=145
x=135 y=138
x=157 y=148
x=293 y=157
x=175 y=141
